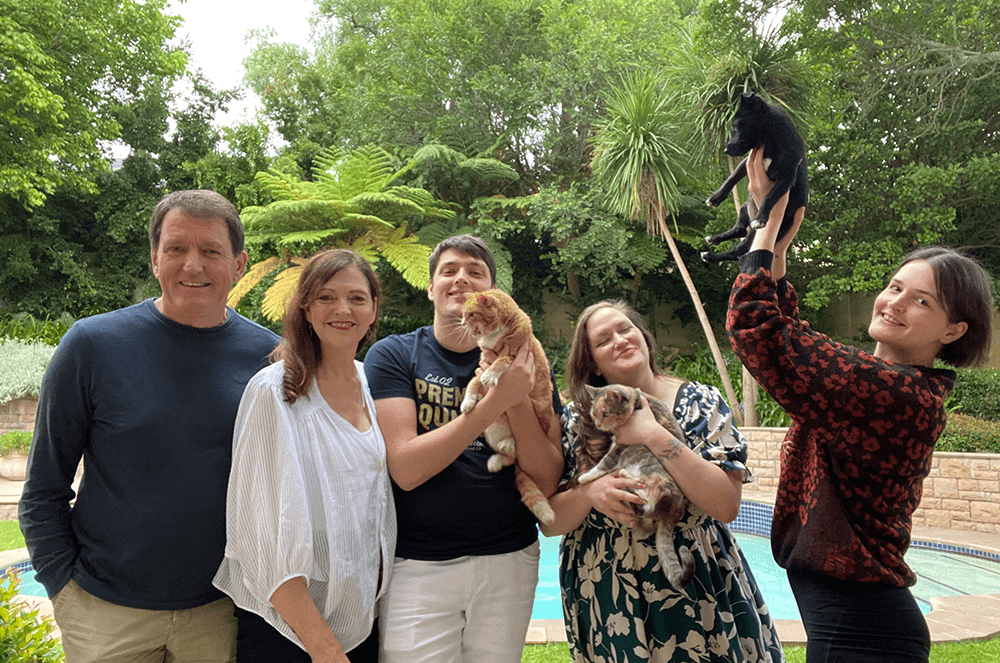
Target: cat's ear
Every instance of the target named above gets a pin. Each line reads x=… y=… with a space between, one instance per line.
x=590 y=391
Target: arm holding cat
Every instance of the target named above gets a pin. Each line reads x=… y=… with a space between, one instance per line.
x=765 y=239
x=413 y=458
x=538 y=455
x=712 y=488
x=607 y=494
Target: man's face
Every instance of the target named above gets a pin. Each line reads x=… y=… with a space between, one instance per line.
x=457 y=273
x=196 y=268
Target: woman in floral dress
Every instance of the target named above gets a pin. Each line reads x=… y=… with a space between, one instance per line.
x=617 y=603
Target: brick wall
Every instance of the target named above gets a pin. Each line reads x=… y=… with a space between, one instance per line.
x=18 y=414
x=961 y=492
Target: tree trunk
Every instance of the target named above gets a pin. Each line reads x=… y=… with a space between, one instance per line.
x=750 y=387
x=727 y=383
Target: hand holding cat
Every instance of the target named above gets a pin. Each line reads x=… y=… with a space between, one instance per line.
x=609 y=495
x=766 y=237
x=639 y=427
x=516 y=382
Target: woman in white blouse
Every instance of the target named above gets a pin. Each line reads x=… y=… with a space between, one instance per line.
x=310 y=523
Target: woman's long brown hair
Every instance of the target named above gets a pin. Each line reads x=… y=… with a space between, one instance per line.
x=300 y=348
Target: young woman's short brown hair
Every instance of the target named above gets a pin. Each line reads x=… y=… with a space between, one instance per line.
x=965 y=290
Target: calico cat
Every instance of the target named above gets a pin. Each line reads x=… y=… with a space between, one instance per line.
x=497 y=323
x=666 y=505
x=758 y=123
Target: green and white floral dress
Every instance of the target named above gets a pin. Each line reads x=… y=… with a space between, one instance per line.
x=617 y=603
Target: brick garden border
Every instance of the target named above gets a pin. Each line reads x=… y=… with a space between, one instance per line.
x=962 y=491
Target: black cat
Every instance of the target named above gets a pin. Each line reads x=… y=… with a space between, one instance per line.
x=759 y=123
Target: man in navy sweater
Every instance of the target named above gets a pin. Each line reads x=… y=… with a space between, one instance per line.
x=147 y=397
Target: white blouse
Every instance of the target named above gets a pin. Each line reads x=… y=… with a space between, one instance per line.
x=309 y=496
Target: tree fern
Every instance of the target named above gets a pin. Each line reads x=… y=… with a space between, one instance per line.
x=350 y=205
x=310 y=236
x=280 y=293
x=408 y=256
x=252 y=277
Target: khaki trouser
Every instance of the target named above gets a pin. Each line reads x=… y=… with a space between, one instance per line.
x=94 y=630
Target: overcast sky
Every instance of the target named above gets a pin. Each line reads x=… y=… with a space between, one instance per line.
x=217 y=30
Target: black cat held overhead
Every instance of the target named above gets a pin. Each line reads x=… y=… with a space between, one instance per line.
x=758 y=123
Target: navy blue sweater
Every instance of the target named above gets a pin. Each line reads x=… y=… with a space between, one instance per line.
x=149 y=404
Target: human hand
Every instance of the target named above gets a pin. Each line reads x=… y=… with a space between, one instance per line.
x=779 y=265
x=486 y=358
x=759 y=186
x=610 y=496
x=758 y=183
x=638 y=427
x=519 y=378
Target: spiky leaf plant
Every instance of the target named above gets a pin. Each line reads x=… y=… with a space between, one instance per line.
x=641 y=148
x=640 y=151
x=352 y=204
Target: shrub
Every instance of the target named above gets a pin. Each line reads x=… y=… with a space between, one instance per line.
x=22 y=365
x=25 y=637
x=25 y=327
x=977 y=393
x=15 y=440
x=701 y=368
x=969 y=435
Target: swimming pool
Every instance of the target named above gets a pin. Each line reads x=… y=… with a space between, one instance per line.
x=942 y=570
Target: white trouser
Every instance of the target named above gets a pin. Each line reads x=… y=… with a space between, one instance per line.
x=466 y=610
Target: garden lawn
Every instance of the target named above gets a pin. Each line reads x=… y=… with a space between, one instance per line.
x=957 y=652
x=10 y=535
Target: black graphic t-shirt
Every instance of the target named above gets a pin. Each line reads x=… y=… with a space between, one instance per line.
x=465 y=509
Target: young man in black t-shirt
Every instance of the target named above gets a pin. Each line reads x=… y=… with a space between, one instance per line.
x=467 y=554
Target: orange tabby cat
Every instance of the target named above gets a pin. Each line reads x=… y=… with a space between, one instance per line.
x=499 y=325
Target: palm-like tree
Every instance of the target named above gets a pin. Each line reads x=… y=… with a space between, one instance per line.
x=351 y=204
x=642 y=150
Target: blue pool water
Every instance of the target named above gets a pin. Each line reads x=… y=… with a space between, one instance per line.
x=941 y=570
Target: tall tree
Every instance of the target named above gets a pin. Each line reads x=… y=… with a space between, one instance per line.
x=65 y=69
x=518 y=80
x=908 y=95
x=640 y=154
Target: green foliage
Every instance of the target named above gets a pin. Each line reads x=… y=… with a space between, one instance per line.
x=969 y=435
x=904 y=107
x=582 y=247
x=642 y=148
x=68 y=69
x=25 y=327
x=354 y=202
x=10 y=535
x=457 y=179
x=977 y=393
x=25 y=636
x=22 y=365
x=15 y=440
x=701 y=367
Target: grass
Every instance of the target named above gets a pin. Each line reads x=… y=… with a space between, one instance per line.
x=10 y=535
x=954 y=652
